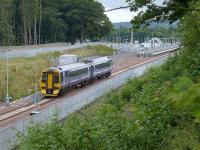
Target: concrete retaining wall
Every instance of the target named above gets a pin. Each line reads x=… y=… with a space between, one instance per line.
x=77 y=101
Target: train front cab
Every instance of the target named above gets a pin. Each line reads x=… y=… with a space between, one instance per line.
x=50 y=84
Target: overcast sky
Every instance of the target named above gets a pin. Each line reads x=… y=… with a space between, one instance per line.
x=122 y=15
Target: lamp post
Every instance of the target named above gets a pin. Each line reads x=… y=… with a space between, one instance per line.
x=7 y=98
x=36 y=97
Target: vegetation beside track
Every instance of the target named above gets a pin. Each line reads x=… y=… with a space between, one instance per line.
x=24 y=73
x=159 y=111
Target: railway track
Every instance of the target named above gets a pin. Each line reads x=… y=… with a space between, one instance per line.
x=17 y=111
x=25 y=103
x=121 y=63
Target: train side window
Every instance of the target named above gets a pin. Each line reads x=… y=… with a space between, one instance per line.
x=73 y=74
x=70 y=74
x=78 y=72
x=108 y=64
x=104 y=65
x=66 y=75
x=98 y=66
x=83 y=71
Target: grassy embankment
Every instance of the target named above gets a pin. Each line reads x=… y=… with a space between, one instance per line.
x=24 y=72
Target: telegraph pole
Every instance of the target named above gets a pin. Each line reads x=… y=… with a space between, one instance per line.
x=7 y=98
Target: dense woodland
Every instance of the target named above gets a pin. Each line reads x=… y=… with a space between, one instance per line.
x=44 y=21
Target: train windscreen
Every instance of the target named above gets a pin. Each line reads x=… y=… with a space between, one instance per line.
x=44 y=77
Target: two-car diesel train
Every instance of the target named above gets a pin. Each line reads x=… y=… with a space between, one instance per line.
x=55 y=81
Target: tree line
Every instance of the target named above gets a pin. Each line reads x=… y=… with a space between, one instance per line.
x=43 y=21
x=123 y=34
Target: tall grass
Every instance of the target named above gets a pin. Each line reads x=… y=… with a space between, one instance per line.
x=92 y=51
x=24 y=73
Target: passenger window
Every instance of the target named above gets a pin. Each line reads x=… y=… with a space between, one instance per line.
x=78 y=72
x=73 y=74
x=104 y=65
x=66 y=75
x=83 y=71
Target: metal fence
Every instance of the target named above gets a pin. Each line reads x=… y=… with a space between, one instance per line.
x=138 y=49
x=72 y=103
x=131 y=47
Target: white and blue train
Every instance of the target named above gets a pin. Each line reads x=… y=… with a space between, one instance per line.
x=55 y=81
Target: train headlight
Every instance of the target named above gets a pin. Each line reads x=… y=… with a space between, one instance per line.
x=56 y=87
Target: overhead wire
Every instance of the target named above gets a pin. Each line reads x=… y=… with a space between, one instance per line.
x=153 y=6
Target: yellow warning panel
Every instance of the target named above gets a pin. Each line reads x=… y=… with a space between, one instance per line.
x=50 y=81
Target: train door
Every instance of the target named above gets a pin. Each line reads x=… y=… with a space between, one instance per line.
x=50 y=83
x=92 y=70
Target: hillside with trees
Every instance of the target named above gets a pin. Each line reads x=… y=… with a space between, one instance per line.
x=163 y=29
x=145 y=32
x=128 y=25
x=27 y=22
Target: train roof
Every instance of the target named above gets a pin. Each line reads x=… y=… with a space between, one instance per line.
x=80 y=65
x=68 y=55
x=101 y=60
x=73 y=66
